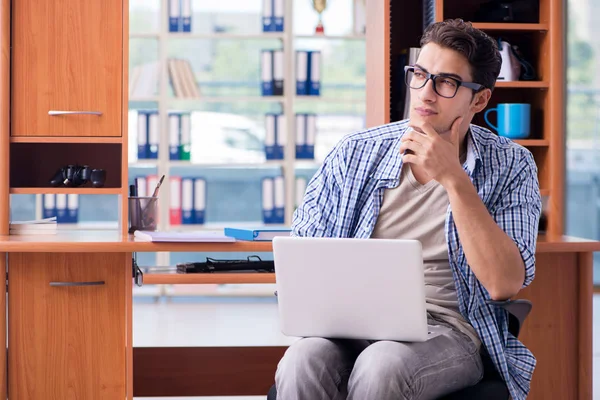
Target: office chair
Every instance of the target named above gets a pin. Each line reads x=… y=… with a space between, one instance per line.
x=491 y=387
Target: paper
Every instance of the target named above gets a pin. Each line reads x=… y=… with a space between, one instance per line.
x=174 y=236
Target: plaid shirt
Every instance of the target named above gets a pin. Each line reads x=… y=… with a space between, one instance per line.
x=344 y=197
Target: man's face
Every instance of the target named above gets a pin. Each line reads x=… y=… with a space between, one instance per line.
x=440 y=112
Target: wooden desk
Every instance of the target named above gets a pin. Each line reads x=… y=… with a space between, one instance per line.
x=558 y=331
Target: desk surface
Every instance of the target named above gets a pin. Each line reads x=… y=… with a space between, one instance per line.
x=115 y=242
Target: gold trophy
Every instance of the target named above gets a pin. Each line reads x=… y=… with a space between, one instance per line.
x=319 y=6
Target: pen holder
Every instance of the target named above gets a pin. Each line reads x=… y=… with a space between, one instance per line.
x=143 y=213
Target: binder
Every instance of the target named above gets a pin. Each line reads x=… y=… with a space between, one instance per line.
x=174 y=15
x=72 y=208
x=300 y=191
x=278 y=13
x=268 y=197
x=300 y=136
x=175 y=200
x=278 y=71
x=270 y=129
x=174 y=129
x=267 y=72
x=151 y=182
x=279 y=199
x=186 y=15
x=256 y=234
x=301 y=73
x=280 y=136
x=142 y=135
x=187 y=201
x=153 y=135
x=199 y=200
x=186 y=137
x=311 y=133
x=314 y=68
x=267 y=16
x=49 y=205
x=61 y=208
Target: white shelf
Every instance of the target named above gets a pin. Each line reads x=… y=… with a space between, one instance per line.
x=232 y=36
x=151 y=98
x=264 y=165
x=229 y=99
x=89 y=226
x=219 y=226
x=332 y=37
x=329 y=100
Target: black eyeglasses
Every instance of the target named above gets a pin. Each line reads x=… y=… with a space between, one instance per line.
x=443 y=85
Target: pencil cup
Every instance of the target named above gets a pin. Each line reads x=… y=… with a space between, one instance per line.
x=143 y=213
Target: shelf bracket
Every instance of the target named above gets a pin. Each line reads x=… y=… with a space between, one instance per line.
x=137 y=274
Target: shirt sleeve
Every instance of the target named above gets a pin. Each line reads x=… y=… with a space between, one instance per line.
x=518 y=211
x=317 y=214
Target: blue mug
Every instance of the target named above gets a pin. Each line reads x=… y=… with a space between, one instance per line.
x=513 y=120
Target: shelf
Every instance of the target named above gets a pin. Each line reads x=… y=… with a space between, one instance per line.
x=211 y=278
x=219 y=226
x=88 y=226
x=533 y=142
x=490 y=26
x=545 y=192
x=523 y=84
x=231 y=99
x=263 y=165
x=350 y=36
x=145 y=99
x=64 y=139
x=329 y=100
x=51 y=190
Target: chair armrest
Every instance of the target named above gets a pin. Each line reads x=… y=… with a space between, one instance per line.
x=518 y=311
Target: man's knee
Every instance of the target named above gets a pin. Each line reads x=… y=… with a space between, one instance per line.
x=384 y=368
x=304 y=357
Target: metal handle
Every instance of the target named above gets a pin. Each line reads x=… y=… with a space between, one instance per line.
x=54 y=112
x=95 y=283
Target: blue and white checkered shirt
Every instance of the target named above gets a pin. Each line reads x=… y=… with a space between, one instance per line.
x=344 y=197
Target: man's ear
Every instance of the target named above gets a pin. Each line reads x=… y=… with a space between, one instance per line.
x=480 y=101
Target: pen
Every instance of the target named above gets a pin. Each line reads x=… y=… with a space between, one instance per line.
x=158 y=186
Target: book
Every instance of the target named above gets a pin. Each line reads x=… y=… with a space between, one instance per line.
x=175 y=236
x=45 y=225
x=259 y=234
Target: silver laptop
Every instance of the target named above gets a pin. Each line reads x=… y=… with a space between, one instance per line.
x=351 y=288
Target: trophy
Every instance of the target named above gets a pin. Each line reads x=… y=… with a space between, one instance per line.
x=319 y=6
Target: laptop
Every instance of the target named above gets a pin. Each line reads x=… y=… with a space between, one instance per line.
x=351 y=289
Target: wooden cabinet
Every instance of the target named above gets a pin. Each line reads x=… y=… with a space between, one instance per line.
x=67 y=318
x=67 y=56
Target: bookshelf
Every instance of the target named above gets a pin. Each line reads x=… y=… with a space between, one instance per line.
x=289 y=103
x=540 y=41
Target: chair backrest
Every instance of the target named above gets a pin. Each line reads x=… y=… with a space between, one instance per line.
x=518 y=310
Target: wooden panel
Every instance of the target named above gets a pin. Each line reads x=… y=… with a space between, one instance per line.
x=556 y=112
x=204 y=371
x=585 y=325
x=3 y=360
x=4 y=116
x=113 y=241
x=65 y=139
x=216 y=278
x=551 y=331
x=123 y=206
x=34 y=164
x=67 y=56
x=378 y=73
x=67 y=342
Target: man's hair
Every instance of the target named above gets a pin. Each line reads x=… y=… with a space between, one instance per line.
x=480 y=50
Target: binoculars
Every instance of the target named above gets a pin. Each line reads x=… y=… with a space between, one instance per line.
x=78 y=175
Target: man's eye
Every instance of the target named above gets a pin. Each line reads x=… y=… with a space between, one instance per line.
x=419 y=74
x=449 y=82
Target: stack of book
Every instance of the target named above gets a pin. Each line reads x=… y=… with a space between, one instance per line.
x=46 y=226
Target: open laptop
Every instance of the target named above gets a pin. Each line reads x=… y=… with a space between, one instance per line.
x=351 y=288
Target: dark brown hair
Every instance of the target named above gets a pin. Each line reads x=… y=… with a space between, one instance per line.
x=480 y=50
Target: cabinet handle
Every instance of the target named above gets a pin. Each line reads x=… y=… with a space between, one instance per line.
x=94 y=283
x=54 y=112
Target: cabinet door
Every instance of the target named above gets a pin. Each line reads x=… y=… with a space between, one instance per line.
x=67 y=55
x=67 y=325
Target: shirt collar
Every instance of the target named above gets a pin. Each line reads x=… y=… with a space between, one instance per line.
x=391 y=164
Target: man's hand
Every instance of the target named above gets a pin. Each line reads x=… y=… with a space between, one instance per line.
x=439 y=158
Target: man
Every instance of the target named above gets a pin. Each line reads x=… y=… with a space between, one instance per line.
x=472 y=199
